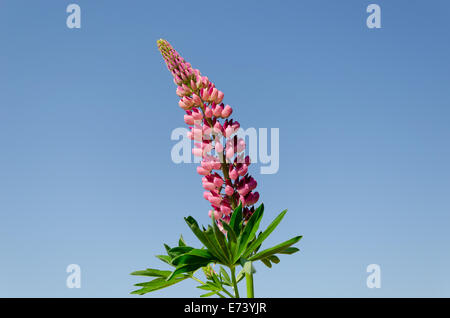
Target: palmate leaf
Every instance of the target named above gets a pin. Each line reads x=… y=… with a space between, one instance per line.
x=157 y=284
x=256 y=243
x=238 y=246
x=165 y=258
x=201 y=235
x=212 y=240
x=186 y=268
x=195 y=256
x=179 y=250
x=216 y=284
x=164 y=278
x=276 y=249
x=222 y=243
x=231 y=240
x=273 y=259
x=289 y=251
x=152 y=273
x=249 y=231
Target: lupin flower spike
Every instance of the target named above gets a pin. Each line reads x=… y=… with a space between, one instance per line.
x=231 y=240
x=202 y=102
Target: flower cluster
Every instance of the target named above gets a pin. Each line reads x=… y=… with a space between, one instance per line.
x=223 y=165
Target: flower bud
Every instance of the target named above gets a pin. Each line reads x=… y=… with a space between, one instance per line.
x=208 y=112
x=229 y=190
x=219 y=97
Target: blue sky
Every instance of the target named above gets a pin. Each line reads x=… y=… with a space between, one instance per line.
x=86 y=115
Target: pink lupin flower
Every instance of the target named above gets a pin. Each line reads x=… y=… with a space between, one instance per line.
x=206 y=164
x=229 y=190
x=218 y=128
x=240 y=145
x=218 y=181
x=225 y=209
x=193 y=85
x=204 y=111
x=243 y=189
x=226 y=112
x=228 y=131
x=233 y=174
x=209 y=186
x=196 y=100
x=217 y=214
x=213 y=96
x=188 y=119
x=202 y=171
x=215 y=199
x=208 y=112
x=204 y=94
x=242 y=171
x=230 y=152
x=219 y=98
x=218 y=111
x=196 y=114
x=206 y=195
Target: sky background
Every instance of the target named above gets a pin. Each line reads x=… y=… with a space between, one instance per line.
x=86 y=115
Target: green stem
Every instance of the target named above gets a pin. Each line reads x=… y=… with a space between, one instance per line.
x=228 y=293
x=250 y=289
x=233 y=278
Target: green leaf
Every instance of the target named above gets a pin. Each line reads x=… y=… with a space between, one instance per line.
x=256 y=243
x=209 y=286
x=225 y=277
x=165 y=258
x=220 y=238
x=216 y=280
x=156 y=284
x=208 y=294
x=289 y=250
x=250 y=230
x=179 y=250
x=212 y=240
x=231 y=239
x=257 y=248
x=273 y=250
x=167 y=247
x=236 y=219
x=181 y=241
x=274 y=259
x=231 y=235
x=195 y=256
x=266 y=262
x=193 y=225
x=152 y=273
x=186 y=268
